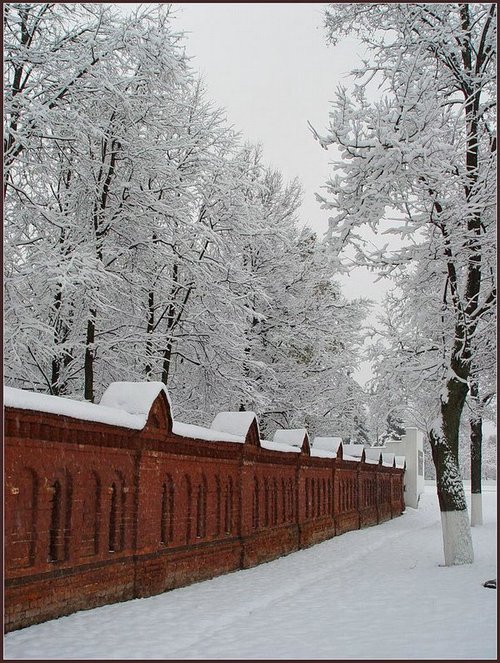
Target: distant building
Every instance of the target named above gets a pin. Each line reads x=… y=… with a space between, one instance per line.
x=411 y=446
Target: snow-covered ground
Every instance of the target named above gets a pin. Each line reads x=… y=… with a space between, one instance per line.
x=378 y=593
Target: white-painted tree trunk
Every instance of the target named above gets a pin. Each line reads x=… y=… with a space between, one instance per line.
x=476 y=509
x=457 y=540
x=457 y=537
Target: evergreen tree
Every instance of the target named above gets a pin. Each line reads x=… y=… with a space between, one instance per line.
x=394 y=428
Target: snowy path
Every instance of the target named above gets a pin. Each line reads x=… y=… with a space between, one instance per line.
x=377 y=593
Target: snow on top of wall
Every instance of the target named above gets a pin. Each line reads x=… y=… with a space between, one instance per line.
x=355 y=458
x=388 y=459
x=124 y=404
x=327 y=443
x=293 y=436
x=279 y=446
x=373 y=454
x=234 y=423
x=29 y=400
x=133 y=397
x=400 y=461
x=112 y=410
x=191 y=430
x=354 y=450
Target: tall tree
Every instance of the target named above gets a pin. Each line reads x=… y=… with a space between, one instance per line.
x=426 y=149
x=51 y=52
x=108 y=241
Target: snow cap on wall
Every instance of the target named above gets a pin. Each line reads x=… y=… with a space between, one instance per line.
x=149 y=400
x=295 y=437
x=201 y=433
x=133 y=397
x=372 y=455
x=29 y=400
x=353 y=450
x=400 y=462
x=327 y=443
x=234 y=423
x=279 y=446
x=322 y=453
x=388 y=459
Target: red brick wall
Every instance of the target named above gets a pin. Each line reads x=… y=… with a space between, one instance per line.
x=96 y=514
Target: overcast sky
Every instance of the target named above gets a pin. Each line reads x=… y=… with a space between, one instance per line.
x=268 y=65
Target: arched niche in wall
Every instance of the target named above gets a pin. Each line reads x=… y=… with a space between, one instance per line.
x=23 y=503
x=117 y=510
x=91 y=515
x=60 y=503
x=167 y=511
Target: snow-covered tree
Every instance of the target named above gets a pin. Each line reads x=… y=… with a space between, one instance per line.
x=425 y=152
x=394 y=428
x=111 y=223
x=51 y=53
x=478 y=403
x=302 y=336
x=408 y=361
x=144 y=241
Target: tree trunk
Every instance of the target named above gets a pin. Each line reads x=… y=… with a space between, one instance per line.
x=149 y=331
x=101 y=229
x=457 y=540
x=476 y=441
x=172 y=321
x=61 y=358
x=89 y=358
x=56 y=359
x=167 y=356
